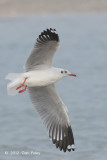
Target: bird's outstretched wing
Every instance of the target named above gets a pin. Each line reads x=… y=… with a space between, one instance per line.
x=43 y=51
x=53 y=113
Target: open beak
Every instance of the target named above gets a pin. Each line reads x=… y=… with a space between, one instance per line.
x=72 y=74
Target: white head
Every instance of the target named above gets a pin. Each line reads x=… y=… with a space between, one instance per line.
x=65 y=73
x=62 y=73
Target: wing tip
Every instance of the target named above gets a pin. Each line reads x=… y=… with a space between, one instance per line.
x=65 y=141
x=48 y=35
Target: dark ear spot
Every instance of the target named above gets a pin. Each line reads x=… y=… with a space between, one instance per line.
x=61 y=71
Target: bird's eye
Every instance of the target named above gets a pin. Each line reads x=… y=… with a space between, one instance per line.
x=61 y=71
x=65 y=71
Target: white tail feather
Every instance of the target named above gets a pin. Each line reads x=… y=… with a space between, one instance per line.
x=16 y=81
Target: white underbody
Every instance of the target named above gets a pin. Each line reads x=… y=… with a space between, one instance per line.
x=37 y=78
x=40 y=78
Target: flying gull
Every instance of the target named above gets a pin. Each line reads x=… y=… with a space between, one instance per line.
x=39 y=78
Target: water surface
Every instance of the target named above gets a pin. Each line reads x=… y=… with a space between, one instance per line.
x=83 y=51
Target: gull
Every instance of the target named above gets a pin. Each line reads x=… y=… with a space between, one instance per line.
x=39 y=79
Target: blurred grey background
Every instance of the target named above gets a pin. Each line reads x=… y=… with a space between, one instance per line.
x=22 y=7
x=82 y=28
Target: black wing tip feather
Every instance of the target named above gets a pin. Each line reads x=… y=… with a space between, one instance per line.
x=48 y=35
x=67 y=141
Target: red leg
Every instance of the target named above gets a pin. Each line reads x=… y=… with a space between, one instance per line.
x=23 y=90
x=22 y=84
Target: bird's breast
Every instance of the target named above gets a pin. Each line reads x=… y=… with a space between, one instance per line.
x=38 y=79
